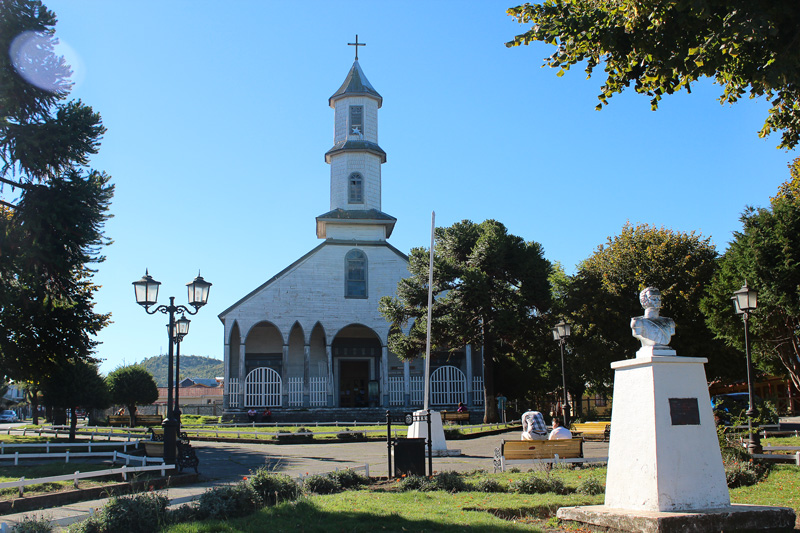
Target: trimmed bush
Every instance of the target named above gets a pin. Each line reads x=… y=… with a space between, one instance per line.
x=139 y=513
x=320 y=484
x=489 y=485
x=33 y=524
x=228 y=501
x=591 y=486
x=273 y=488
x=414 y=483
x=349 y=479
x=535 y=484
x=449 y=482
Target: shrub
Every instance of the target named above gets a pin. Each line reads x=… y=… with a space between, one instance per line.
x=33 y=524
x=535 y=484
x=414 y=483
x=184 y=513
x=320 y=484
x=744 y=473
x=139 y=513
x=489 y=485
x=349 y=479
x=591 y=486
x=449 y=482
x=304 y=431
x=273 y=488
x=228 y=501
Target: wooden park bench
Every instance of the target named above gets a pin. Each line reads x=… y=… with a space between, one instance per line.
x=592 y=430
x=141 y=420
x=538 y=451
x=455 y=416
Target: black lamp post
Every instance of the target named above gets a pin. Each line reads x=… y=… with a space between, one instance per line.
x=745 y=300
x=560 y=334
x=181 y=330
x=146 y=290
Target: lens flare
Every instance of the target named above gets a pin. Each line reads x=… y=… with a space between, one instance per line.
x=45 y=62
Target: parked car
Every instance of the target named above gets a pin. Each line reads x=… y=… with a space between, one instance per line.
x=9 y=416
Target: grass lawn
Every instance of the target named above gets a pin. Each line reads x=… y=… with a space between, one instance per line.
x=388 y=510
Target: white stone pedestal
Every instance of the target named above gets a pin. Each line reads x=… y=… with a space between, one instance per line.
x=419 y=430
x=665 y=471
x=658 y=458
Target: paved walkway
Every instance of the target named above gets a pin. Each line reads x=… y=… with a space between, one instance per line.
x=222 y=462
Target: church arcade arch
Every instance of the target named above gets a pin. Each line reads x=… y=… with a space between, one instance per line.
x=356 y=353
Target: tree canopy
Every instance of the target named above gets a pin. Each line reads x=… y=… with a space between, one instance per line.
x=131 y=386
x=76 y=384
x=51 y=235
x=603 y=296
x=765 y=254
x=490 y=290
x=747 y=46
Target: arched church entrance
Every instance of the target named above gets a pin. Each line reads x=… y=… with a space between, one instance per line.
x=356 y=353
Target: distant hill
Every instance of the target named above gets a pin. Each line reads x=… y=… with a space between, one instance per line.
x=192 y=366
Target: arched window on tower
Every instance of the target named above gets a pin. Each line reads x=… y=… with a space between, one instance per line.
x=355 y=274
x=355 y=189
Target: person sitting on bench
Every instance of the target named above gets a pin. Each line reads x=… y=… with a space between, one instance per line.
x=559 y=431
x=533 y=426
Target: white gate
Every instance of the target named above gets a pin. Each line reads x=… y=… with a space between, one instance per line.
x=295 y=392
x=477 y=390
x=318 y=387
x=262 y=388
x=233 y=392
x=448 y=386
x=417 y=391
x=397 y=391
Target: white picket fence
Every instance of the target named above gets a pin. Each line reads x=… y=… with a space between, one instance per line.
x=295 y=390
x=477 y=390
x=397 y=391
x=124 y=471
x=417 y=390
x=233 y=392
x=318 y=389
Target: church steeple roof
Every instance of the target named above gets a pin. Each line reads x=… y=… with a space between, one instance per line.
x=356 y=83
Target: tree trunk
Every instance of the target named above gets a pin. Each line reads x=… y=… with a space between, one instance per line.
x=489 y=400
x=132 y=414
x=73 y=423
x=34 y=406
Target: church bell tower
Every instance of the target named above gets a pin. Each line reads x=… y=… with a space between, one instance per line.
x=355 y=161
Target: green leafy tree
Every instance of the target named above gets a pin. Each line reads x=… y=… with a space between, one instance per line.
x=131 y=386
x=490 y=289
x=746 y=46
x=603 y=296
x=51 y=235
x=76 y=384
x=766 y=254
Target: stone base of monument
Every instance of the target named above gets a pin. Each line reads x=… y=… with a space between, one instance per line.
x=419 y=430
x=665 y=469
x=732 y=518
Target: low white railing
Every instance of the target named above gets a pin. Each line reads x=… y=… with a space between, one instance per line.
x=60 y=445
x=124 y=471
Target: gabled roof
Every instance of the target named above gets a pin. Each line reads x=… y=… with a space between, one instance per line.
x=356 y=146
x=355 y=84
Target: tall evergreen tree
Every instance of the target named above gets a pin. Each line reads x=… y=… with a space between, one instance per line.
x=490 y=290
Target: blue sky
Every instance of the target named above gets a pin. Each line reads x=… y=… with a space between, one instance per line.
x=218 y=120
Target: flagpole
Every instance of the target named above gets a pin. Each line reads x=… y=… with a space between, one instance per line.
x=430 y=304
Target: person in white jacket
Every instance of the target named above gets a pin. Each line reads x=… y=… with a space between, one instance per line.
x=559 y=431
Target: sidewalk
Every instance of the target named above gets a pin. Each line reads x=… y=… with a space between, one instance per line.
x=222 y=463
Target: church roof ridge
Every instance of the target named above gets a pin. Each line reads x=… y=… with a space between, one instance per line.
x=356 y=83
x=355 y=145
x=357 y=214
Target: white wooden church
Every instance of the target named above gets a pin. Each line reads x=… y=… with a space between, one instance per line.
x=312 y=336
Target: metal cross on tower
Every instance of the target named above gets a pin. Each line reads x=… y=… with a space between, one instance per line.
x=356 y=44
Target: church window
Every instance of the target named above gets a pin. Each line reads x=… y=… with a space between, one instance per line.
x=355 y=275
x=355 y=189
x=356 y=120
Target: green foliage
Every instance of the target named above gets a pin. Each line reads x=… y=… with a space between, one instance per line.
x=131 y=386
x=139 y=513
x=490 y=289
x=321 y=484
x=192 y=366
x=53 y=234
x=349 y=479
x=228 y=501
x=76 y=384
x=539 y=484
x=448 y=481
x=766 y=254
x=273 y=488
x=746 y=46
x=591 y=486
x=489 y=485
x=33 y=524
x=604 y=295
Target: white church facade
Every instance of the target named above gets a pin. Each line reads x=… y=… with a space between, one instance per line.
x=312 y=335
